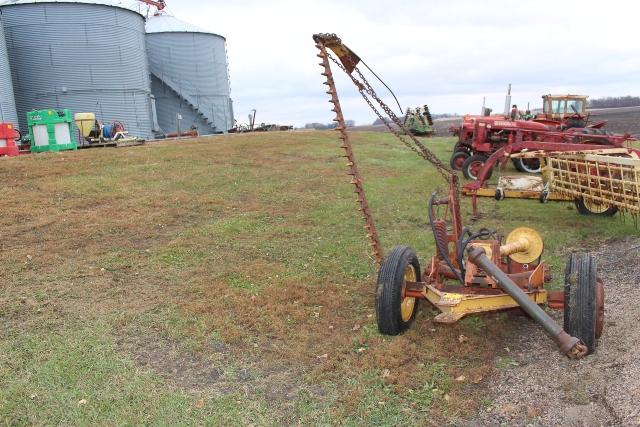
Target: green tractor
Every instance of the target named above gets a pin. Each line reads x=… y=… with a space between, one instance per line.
x=419 y=121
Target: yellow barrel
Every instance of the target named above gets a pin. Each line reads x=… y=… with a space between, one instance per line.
x=85 y=122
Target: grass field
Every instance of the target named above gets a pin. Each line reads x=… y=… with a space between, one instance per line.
x=228 y=281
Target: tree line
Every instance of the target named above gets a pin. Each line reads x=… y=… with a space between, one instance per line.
x=615 y=102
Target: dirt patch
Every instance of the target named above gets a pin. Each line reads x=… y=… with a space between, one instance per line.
x=535 y=385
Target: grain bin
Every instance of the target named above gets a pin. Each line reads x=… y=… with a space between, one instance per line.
x=7 y=100
x=87 y=56
x=189 y=76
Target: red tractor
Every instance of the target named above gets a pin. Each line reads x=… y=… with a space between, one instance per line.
x=563 y=119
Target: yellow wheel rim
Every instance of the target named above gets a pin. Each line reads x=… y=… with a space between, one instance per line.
x=595 y=207
x=408 y=303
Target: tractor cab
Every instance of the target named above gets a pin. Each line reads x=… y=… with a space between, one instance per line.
x=561 y=107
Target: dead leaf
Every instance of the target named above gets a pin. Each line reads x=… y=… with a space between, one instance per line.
x=461 y=378
x=199 y=404
x=356 y=328
x=463 y=339
x=386 y=373
x=447 y=397
x=323 y=356
x=477 y=379
x=533 y=412
x=82 y=402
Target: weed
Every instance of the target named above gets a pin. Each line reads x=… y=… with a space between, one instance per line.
x=506 y=362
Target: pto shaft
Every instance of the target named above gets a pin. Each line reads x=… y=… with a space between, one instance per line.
x=570 y=346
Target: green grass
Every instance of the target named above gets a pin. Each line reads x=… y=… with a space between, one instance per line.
x=245 y=253
x=72 y=373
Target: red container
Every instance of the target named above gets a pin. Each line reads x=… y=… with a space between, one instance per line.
x=8 y=136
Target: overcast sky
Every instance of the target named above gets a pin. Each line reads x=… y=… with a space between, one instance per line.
x=448 y=54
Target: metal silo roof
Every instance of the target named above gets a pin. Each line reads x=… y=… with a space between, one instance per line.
x=165 y=23
x=125 y=4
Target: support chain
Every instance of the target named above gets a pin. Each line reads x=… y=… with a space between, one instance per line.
x=367 y=92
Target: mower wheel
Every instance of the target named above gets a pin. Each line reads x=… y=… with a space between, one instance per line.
x=499 y=194
x=473 y=165
x=583 y=300
x=394 y=311
x=457 y=159
x=586 y=207
x=527 y=165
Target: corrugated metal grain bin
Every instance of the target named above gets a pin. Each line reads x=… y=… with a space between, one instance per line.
x=7 y=99
x=87 y=56
x=189 y=76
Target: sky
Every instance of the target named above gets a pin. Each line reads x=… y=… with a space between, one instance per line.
x=447 y=54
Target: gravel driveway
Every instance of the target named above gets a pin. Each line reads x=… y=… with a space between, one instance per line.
x=537 y=386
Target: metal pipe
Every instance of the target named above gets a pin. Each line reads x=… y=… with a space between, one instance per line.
x=570 y=346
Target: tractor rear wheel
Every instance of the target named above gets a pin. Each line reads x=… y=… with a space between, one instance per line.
x=527 y=165
x=457 y=159
x=473 y=165
x=583 y=300
x=394 y=311
x=587 y=207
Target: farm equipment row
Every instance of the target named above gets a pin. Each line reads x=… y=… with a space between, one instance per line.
x=253 y=127
x=52 y=130
x=471 y=272
x=564 y=120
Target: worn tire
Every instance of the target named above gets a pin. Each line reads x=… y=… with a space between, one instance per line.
x=390 y=289
x=457 y=159
x=580 y=305
x=586 y=209
x=471 y=165
x=527 y=165
x=463 y=146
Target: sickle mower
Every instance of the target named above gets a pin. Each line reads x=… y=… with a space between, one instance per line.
x=471 y=272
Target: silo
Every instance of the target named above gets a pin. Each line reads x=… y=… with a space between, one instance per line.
x=7 y=100
x=87 y=56
x=189 y=76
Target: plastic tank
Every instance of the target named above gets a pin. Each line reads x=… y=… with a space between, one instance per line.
x=87 y=56
x=189 y=76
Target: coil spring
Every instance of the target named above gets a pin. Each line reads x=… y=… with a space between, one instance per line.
x=441 y=236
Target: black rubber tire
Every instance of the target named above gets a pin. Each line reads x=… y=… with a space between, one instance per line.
x=584 y=210
x=463 y=146
x=455 y=158
x=524 y=165
x=389 y=290
x=575 y=123
x=580 y=308
x=499 y=194
x=471 y=160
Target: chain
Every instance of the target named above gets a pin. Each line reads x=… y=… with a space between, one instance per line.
x=367 y=92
